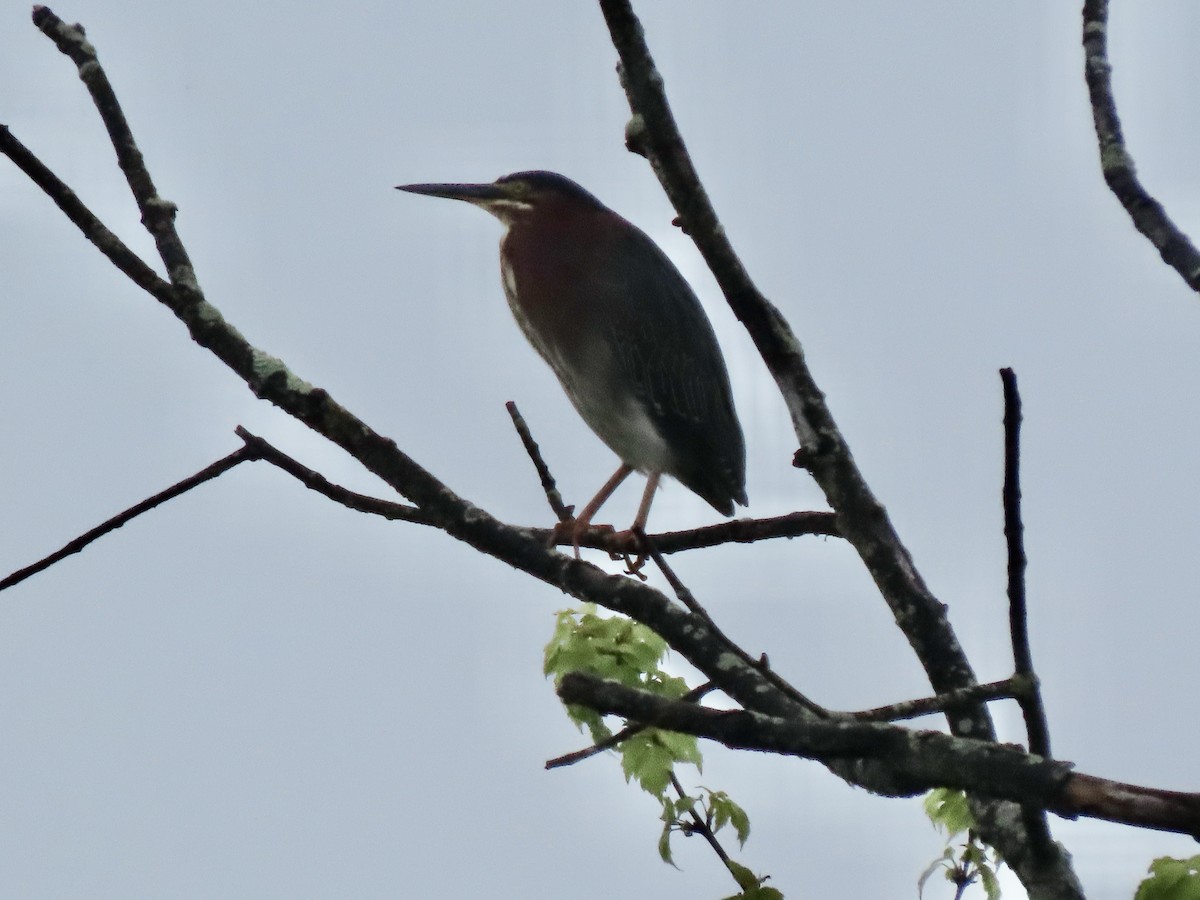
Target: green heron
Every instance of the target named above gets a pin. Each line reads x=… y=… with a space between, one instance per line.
x=623 y=332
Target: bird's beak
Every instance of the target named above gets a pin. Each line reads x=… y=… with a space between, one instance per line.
x=479 y=194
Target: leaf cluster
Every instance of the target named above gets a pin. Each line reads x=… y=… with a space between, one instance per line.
x=617 y=648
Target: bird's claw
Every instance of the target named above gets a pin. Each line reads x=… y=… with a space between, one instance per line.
x=634 y=562
x=574 y=531
x=634 y=565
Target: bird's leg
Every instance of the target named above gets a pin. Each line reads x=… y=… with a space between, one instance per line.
x=578 y=526
x=643 y=513
x=635 y=566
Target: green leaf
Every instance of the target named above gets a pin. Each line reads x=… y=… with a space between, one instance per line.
x=664 y=845
x=1171 y=879
x=949 y=812
x=685 y=805
x=723 y=811
x=650 y=756
x=752 y=886
x=761 y=893
x=991 y=884
x=684 y=748
x=645 y=760
x=612 y=647
x=590 y=720
x=745 y=879
x=658 y=682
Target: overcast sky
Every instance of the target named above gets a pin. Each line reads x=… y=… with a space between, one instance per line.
x=252 y=692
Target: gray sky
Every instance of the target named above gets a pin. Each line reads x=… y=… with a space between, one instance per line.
x=252 y=692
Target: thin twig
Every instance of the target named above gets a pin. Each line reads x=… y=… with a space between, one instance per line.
x=158 y=214
x=569 y=759
x=317 y=482
x=1009 y=688
x=738 y=531
x=1120 y=174
x=255 y=448
x=128 y=262
x=553 y=497
x=241 y=455
x=1032 y=709
x=1014 y=530
x=688 y=599
x=700 y=827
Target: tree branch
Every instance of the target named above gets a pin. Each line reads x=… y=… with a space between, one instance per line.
x=688 y=599
x=549 y=486
x=270 y=379
x=700 y=827
x=315 y=481
x=736 y=531
x=862 y=520
x=1120 y=174
x=1014 y=531
x=917 y=760
x=128 y=262
x=254 y=448
x=569 y=759
x=241 y=455
x=1030 y=702
x=1009 y=688
x=158 y=214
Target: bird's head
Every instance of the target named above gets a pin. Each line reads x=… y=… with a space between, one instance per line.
x=516 y=196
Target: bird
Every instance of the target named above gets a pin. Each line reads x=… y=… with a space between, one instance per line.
x=621 y=328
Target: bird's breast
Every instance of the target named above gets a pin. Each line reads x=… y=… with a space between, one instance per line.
x=560 y=321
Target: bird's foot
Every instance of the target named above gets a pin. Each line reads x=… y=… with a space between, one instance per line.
x=574 y=530
x=634 y=562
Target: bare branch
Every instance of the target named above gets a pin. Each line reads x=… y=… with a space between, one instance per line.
x=915 y=760
x=1009 y=688
x=158 y=214
x=1014 y=530
x=861 y=518
x=625 y=543
x=553 y=497
x=134 y=267
x=688 y=599
x=613 y=740
x=736 y=531
x=241 y=455
x=1032 y=709
x=315 y=481
x=918 y=760
x=1132 y=804
x=1120 y=174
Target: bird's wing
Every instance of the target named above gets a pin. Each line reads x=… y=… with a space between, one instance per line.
x=668 y=356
